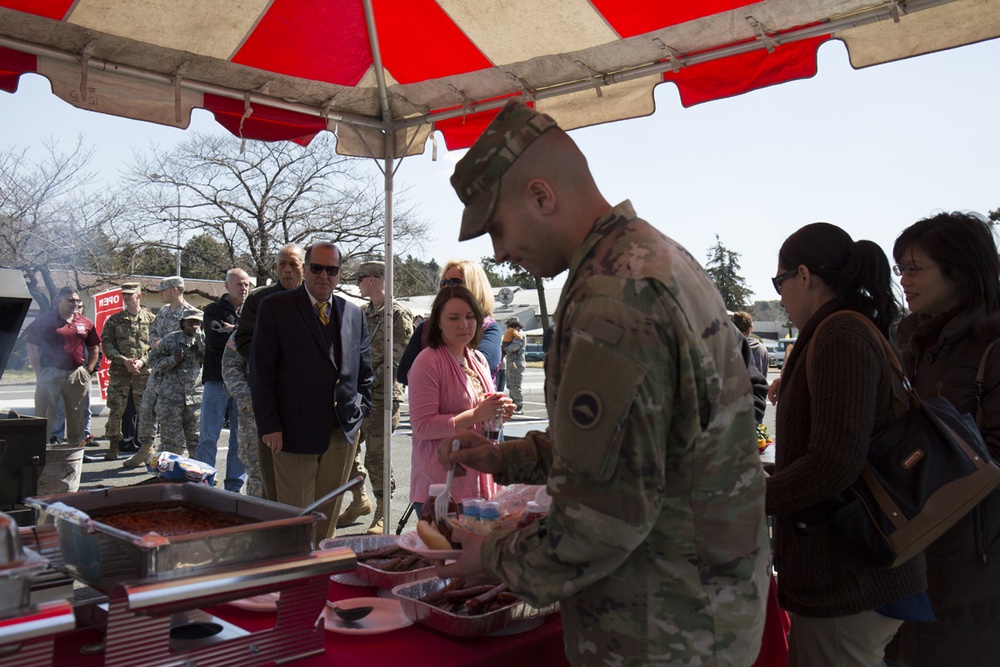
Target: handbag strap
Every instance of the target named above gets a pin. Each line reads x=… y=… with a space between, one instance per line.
x=980 y=377
x=904 y=398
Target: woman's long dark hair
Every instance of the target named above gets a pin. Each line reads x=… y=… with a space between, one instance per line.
x=857 y=271
x=964 y=246
x=435 y=338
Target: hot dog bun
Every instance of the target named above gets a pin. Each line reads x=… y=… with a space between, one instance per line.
x=432 y=537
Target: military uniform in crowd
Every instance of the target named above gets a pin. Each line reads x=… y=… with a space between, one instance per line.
x=373 y=428
x=168 y=320
x=656 y=542
x=125 y=336
x=178 y=403
x=234 y=375
x=513 y=349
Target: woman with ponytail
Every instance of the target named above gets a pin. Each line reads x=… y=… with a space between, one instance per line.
x=843 y=609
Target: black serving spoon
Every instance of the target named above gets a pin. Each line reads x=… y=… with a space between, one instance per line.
x=352 y=615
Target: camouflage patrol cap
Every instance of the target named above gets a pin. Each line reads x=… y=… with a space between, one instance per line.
x=376 y=269
x=192 y=313
x=172 y=281
x=477 y=175
x=131 y=288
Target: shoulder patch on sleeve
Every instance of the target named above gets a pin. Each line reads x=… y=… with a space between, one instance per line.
x=585 y=409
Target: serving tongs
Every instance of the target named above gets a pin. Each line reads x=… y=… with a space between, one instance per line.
x=340 y=490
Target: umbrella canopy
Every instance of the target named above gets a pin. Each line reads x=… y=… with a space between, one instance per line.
x=383 y=73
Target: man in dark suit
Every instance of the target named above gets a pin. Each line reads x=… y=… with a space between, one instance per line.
x=288 y=267
x=311 y=382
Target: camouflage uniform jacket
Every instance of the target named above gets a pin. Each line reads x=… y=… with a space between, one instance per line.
x=234 y=375
x=656 y=541
x=126 y=336
x=168 y=319
x=402 y=329
x=179 y=378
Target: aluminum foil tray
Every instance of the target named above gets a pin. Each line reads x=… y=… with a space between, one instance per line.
x=374 y=576
x=103 y=556
x=410 y=596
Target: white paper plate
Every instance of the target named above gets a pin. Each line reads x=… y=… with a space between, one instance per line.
x=411 y=542
x=265 y=602
x=386 y=616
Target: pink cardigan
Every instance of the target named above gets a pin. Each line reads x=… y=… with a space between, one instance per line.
x=439 y=389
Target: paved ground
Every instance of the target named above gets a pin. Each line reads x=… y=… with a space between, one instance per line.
x=16 y=393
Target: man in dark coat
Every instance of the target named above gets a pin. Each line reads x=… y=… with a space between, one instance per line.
x=311 y=383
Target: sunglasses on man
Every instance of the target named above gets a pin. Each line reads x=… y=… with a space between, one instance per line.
x=320 y=268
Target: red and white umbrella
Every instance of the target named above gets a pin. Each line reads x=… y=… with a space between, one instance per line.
x=383 y=74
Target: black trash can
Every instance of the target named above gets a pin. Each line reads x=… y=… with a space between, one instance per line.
x=22 y=438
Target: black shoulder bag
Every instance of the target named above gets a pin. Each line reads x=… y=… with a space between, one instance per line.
x=925 y=471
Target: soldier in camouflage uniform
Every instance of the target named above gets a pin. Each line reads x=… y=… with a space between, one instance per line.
x=167 y=320
x=125 y=340
x=178 y=361
x=656 y=542
x=370 y=277
x=234 y=375
x=513 y=343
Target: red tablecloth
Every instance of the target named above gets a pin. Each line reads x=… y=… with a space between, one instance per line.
x=540 y=646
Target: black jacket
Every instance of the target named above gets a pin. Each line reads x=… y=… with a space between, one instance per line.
x=216 y=336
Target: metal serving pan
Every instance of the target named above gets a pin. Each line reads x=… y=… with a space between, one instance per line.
x=411 y=597
x=104 y=556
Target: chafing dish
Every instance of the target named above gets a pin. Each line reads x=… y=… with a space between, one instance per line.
x=103 y=556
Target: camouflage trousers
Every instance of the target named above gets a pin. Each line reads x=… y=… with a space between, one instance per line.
x=373 y=463
x=178 y=426
x=147 y=411
x=514 y=375
x=119 y=387
x=249 y=453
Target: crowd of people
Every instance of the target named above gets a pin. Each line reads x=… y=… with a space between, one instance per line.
x=656 y=543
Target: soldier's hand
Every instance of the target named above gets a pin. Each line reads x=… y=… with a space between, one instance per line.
x=474 y=452
x=469 y=565
x=178 y=356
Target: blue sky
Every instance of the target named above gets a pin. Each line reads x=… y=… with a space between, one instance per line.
x=870 y=150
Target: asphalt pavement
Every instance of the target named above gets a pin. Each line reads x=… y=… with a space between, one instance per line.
x=17 y=394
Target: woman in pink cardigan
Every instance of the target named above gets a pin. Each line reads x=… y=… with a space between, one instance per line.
x=450 y=391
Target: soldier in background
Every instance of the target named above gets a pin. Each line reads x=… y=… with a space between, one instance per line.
x=168 y=320
x=513 y=343
x=656 y=542
x=125 y=342
x=178 y=361
x=370 y=277
x=237 y=379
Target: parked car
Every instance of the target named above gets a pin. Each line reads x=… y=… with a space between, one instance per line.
x=533 y=352
x=772 y=352
x=783 y=345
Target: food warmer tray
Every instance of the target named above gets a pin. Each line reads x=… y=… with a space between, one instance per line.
x=103 y=556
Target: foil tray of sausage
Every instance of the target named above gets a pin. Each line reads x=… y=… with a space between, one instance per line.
x=480 y=610
x=381 y=562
